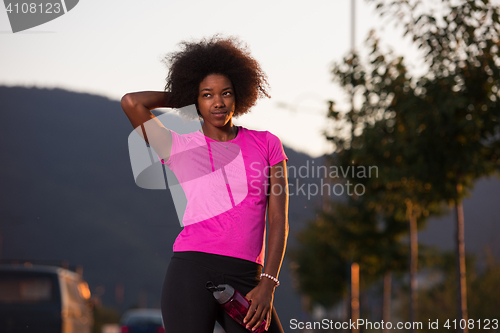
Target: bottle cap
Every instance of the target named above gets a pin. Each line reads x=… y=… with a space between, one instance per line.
x=222 y=292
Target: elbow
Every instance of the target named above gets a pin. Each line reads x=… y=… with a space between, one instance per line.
x=127 y=102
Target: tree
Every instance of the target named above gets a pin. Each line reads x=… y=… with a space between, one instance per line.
x=459 y=96
x=347 y=233
x=437 y=301
x=383 y=133
x=432 y=136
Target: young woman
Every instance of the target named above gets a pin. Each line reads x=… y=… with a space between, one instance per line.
x=230 y=176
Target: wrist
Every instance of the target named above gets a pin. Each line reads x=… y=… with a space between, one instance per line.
x=271 y=277
x=269 y=280
x=267 y=284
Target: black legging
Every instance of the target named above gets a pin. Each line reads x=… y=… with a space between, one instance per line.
x=188 y=307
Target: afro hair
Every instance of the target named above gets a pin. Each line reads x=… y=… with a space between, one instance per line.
x=215 y=55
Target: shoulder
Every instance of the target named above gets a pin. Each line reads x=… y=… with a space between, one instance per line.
x=261 y=136
x=272 y=138
x=251 y=132
x=268 y=143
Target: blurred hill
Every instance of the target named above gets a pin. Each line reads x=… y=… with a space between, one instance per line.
x=68 y=193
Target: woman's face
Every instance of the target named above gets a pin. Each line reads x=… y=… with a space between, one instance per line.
x=216 y=101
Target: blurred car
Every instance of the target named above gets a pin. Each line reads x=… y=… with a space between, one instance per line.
x=36 y=298
x=142 y=321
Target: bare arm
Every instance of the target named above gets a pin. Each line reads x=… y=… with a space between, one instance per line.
x=262 y=296
x=137 y=106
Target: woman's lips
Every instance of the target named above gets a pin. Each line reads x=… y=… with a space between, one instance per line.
x=219 y=114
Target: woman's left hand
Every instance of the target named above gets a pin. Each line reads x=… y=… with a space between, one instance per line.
x=261 y=304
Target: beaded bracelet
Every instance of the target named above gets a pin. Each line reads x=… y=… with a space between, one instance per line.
x=271 y=277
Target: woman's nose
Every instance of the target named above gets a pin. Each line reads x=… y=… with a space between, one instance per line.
x=219 y=102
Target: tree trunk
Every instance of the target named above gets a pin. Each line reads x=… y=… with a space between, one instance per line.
x=386 y=307
x=413 y=261
x=355 y=295
x=460 y=257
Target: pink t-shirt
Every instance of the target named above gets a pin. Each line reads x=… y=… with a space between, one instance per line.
x=226 y=186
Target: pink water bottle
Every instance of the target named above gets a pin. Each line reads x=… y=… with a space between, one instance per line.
x=234 y=303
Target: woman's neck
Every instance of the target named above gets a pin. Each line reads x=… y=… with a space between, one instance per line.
x=225 y=133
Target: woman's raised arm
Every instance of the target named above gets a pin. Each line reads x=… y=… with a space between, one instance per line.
x=137 y=106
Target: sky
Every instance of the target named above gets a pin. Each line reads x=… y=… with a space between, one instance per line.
x=111 y=47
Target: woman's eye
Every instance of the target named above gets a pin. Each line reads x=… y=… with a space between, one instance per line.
x=206 y=95
x=227 y=93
